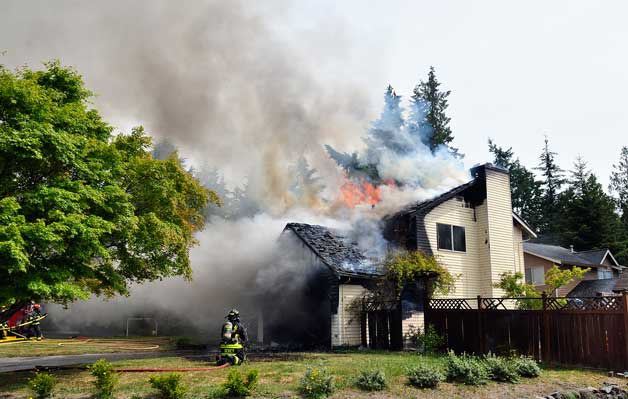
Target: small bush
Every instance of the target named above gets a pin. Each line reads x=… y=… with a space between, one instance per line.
x=371 y=380
x=42 y=385
x=468 y=370
x=501 y=369
x=316 y=383
x=423 y=376
x=169 y=386
x=238 y=387
x=429 y=341
x=106 y=378
x=527 y=367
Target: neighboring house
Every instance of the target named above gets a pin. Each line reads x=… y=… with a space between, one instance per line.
x=471 y=229
x=539 y=258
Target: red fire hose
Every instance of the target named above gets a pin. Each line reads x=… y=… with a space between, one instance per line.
x=148 y=370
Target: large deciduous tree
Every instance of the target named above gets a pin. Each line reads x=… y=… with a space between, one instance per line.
x=83 y=211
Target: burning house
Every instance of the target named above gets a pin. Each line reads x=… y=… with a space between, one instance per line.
x=471 y=229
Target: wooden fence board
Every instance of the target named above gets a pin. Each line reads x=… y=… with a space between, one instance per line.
x=586 y=332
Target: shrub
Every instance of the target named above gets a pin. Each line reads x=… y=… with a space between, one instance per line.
x=106 y=378
x=501 y=369
x=429 y=341
x=42 y=385
x=371 y=380
x=169 y=386
x=527 y=367
x=238 y=387
x=316 y=383
x=423 y=376
x=466 y=369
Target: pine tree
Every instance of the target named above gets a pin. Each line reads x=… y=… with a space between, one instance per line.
x=586 y=217
x=553 y=180
x=526 y=191
x=428 y=119
x=619 y=185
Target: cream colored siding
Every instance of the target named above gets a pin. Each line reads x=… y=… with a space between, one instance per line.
x=499 y=227
x=411 y=324
x=518 y=249
x=461 y=264
x=345 y=325
x=494 y=243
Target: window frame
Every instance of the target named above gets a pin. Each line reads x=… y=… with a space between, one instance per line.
x=451 y=237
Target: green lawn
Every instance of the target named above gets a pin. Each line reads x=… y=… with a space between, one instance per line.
x=279 y=378
x=49 y=347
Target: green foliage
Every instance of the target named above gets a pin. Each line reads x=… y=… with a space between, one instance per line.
x=527 y=367
x=424 y=376
x=106 y=378
x=514 y=287
x=169 y=386
x=42 y=385
x=501 y=369
x=83 y=211
x=409 y=266
x=587 y=217
x=430 y=118
x=236 y=386
x=428 y=341
x=525 y=189
x=371 y=380
x=316 y=383
x=553 y=180
x=556 y=277
x=465 y=369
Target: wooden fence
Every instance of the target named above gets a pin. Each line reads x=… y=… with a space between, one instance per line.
x=381 y=329
x=570 y=331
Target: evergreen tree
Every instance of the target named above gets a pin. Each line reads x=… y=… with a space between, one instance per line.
x=553 y=180
x=526 y=191
x=586 y=217
x=619 y=185
x=428 y=119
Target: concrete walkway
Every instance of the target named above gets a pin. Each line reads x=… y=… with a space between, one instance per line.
x=8 y=364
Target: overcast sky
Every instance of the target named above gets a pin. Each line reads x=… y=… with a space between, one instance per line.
x=517 y=70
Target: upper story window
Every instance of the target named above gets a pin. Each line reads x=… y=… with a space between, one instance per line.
x=451 y=237
x=604 y=273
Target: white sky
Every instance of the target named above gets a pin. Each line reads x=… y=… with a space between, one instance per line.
x=517 y=71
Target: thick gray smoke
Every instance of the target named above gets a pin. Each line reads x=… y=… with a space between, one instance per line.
x=214 y=79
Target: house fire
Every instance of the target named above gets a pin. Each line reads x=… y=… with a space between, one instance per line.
x=471 y=229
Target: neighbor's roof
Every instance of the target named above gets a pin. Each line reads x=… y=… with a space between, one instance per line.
x=564 y=256
x=588 y=288
x=335 y=250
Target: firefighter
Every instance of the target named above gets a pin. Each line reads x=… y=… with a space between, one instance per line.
x=233 y=339
x=33 y=312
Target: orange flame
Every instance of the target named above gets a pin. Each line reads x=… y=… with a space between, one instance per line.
x=353 y=194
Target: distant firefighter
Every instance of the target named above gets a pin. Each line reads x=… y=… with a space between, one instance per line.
x=33 y=315
x=233 y=340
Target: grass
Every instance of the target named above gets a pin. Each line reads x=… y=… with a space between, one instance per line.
x=279 y=378
x=49 y=347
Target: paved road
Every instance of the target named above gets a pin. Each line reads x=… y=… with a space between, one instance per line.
x=8 y=364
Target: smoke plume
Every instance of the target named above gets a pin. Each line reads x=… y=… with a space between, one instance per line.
x=215 y=80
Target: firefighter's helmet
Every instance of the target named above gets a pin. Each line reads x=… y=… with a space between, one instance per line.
x=233 y=314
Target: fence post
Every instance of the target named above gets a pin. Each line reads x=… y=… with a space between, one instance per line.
x=479 y=322
x=546 y=354
x=624 y=297
x=363 y=327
